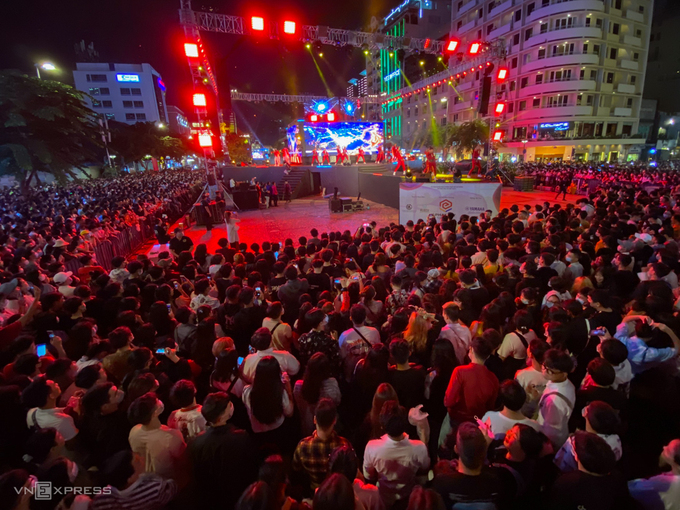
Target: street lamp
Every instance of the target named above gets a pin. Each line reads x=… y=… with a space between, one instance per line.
x=46 y=66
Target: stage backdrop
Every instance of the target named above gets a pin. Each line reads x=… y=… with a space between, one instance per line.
x=418 y=200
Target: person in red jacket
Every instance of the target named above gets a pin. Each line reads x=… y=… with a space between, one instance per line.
x=475 y=163
x=325 y=158
x=360 y=155
x=472 y=389
x=315 y=156
x=338 y=157
x=381 y=155
x=401 y=164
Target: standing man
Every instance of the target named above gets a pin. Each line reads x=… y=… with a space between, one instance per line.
x=275 y=194
x=325 y=158
x=277 y=157
x=475 y=163
x=338 y=156
x=562 y=187
x=401 y=164
x=381 y=155
x=180 y=243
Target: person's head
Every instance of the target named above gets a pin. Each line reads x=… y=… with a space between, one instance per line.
x=471 y=446
x=275 y=310
x=317 y=371
x=41 y=393
x=601 y=418
x=261 y=339
x=102 y=399
x=335 y=493
x=394 y=419
x=400 y=350
x=217 y=408
x=43 y=444
x=557 y=365
x=257 y=496
x=325 y=415
x=512 y=395
x=614 y=351
x=11 y=485
x=120 y=337
x=670 y=456
x=385 y=393
x=344 y=460
x=536 y=352
x=183 y=393
x=601 y=372
x=144 y=409
x=522 y=442
x=425 y=499
x=120 y=469
x=599 y=299
x=451 y=312
x=480 y=349
x=358 y=315
x=315 y=317
x=593 y=454
x=179 y=233
x=267 y=391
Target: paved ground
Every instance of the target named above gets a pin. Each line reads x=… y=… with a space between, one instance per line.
x=297 y=218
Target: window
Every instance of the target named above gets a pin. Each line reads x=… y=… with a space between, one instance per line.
x=94 y=91
x=633 y=79
x=139 y=104
x=541 y=53
x=460 y=24
x=636 y=56
x=537 y=102
x=480 y=12
x=104 y=91
x=582 y=74
x=579 y=100
x=524 y=82
x=612 y=53
x=460 y=5
x=515 y=39
x=443 y=122
x=136 y=92
x=512 y=86
x=616 y=28
x=514 y=63
x=596 y=49
x=107 y=104
x=511 y=107
x=96 y=77
x=490 y=29
x=518 y=15
x=522 y=106
x=129 y=116
x=530 y=8
x=610 y=78
x=408 y=113
x=555 y=101
x=124 y=92
x=641 y=9
x=589 y=100
x=545 y=3
x=526 y=58
x=110 y=116
x=416 y=111
x=629 y=102
x=544 y=28
x=455 y=118
x=638 y=32
x=560 y=75
x=616 y=4
x=588 y=21
x=593 y=74
x=528 y=34
x=585 y=48
x=539 y=79
x=598 y=22
x=141 y=116
x=562 y=23
x=127 y=104
x=96 y=104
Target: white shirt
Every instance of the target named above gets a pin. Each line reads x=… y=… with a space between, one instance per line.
x=287 y=361
x=53 y=418
x=66 y=290
x=460 y=337
x=479 y=258
x=501 y=424
x=349 y=336
x=395 y=465
x=162 y=449
x=660 y=491
x=190 y=422
x=513 y=346
x=554 y=411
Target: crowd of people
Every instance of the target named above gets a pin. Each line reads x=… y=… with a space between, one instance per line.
x=526 y=360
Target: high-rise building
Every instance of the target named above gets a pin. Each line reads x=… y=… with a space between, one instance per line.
x=576 y=73
x=123 y=92
x=388 y=70
x=663 y=68
x=177 y=122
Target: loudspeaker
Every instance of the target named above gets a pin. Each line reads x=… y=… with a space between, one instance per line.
x=335 y=205
x=483 y=107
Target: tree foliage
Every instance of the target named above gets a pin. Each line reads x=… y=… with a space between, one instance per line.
x=238 y=148
x=466 y=136
x=44 y=127
x=134 y=142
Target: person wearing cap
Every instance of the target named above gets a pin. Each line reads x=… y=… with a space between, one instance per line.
x=63 y=281
x=663 y=490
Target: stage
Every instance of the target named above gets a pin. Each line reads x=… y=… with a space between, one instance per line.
x=284 y=221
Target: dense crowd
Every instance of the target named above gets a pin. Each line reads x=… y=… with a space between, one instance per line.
x=527 y=360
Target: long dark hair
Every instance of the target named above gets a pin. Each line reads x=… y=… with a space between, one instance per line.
x=317 y=371
x=226 y=367
x=267 y=391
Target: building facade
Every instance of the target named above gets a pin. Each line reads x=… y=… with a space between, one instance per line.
x=178 y=122
x=663 y=67
x=127 y=93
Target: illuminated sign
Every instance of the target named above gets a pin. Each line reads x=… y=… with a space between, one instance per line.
x=556 y=126
x=127 y=77
x=392 y=75
x=161 y=84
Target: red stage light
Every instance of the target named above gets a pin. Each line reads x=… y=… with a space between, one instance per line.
x=314 y=118
x=500 y=108
x=191 y=50
x=199 y=100
x=289 y=27
x=257 y=23
x=453 y=45
x=480 y=66
x=474 y=48
x=502 y=74
x=498 y=136
x=331 y=117
x=488 y=64
x=205 y=140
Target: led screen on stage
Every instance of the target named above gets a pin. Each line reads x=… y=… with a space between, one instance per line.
x=328 y=135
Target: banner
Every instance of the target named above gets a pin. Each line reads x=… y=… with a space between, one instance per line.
x=419 y=200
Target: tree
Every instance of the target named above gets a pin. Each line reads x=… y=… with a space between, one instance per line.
x=238 y=148
x=467 y=136
x=135 y=142
x=44 y=127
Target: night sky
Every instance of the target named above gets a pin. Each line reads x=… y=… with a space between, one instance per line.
x=127 y=31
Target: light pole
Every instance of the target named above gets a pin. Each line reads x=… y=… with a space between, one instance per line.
x=47 y=66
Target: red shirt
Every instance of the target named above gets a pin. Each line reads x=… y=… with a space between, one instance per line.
x=472 y=392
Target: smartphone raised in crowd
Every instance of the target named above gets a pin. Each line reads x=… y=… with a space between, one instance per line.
x=41 y=349
x=160 y=351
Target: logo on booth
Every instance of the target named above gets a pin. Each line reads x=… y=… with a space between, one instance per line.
x=445 y=205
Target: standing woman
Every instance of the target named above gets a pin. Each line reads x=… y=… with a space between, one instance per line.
x=269 y=401
x=316 y=384
x=206 y=213
x=231 y=219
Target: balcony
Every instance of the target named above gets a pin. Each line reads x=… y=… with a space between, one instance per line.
x=467 y=7
x=462 y=106
x=557 y=112
x=466 y=28
x=610 y=62
x=629 y=40
x=561 y=60
x=635 y=16
x=613 y=37
x=564 y=35
x=603 y=111
x=623 y=112
x=500 y=31
x=467 y=85
x=630 y=64
x=558 y=86
x=606 y=87
x=625 y=88
x=568 y=7
x=500 y=7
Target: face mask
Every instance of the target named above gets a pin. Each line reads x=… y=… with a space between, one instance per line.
x=549 y=304
x=119 y=396
x=325 y=320
x=525 y=301
x=568 y=259
x=159 y=408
